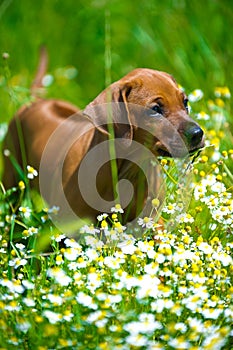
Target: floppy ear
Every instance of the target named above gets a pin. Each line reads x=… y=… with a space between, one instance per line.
x=111 y=107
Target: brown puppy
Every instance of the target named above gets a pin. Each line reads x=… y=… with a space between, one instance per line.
x=148 y=116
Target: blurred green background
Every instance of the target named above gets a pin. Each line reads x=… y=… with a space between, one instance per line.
x=192 y=40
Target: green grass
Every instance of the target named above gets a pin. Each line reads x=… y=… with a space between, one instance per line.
x=172 y=287
x=190 y=40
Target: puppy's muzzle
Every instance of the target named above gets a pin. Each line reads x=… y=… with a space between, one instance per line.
x=193 y=140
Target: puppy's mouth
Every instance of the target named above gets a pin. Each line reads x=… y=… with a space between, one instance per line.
x=177 y=152
x=164 y=153
x=195 y=151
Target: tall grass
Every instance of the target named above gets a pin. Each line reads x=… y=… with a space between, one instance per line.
x=191 y=41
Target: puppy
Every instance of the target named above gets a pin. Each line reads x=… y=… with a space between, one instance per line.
x=89 y=160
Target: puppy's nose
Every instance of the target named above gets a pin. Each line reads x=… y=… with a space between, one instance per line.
x=194 y=135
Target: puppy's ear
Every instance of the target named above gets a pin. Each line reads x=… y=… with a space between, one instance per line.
x=111 y=108
x=122 y=117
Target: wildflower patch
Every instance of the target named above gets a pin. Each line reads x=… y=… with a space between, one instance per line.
x=169 y=287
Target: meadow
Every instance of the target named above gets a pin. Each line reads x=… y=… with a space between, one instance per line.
x=171 y=286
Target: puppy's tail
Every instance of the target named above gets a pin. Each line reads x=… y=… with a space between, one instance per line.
x=37 y=86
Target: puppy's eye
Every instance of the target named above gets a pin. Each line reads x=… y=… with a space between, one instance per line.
x=156 y=109
x=186 y=104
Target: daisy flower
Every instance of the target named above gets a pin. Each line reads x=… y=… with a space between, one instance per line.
x=222 y=91
x=31 y=172
x=89 y=230
x=59 y=276
x=117 y=209
x=102 y=216
x=30 y=232
x=196 y=95
x=127 y=247
x=17 y=262
x=54 y=210
x=26 y=212
x=53 y=317
x=86 y=300
x=146 y=222
x=170 y=208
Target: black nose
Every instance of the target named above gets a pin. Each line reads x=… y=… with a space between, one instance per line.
x=194 y=135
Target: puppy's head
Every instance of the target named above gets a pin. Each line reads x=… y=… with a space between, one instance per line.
x=152 y=110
